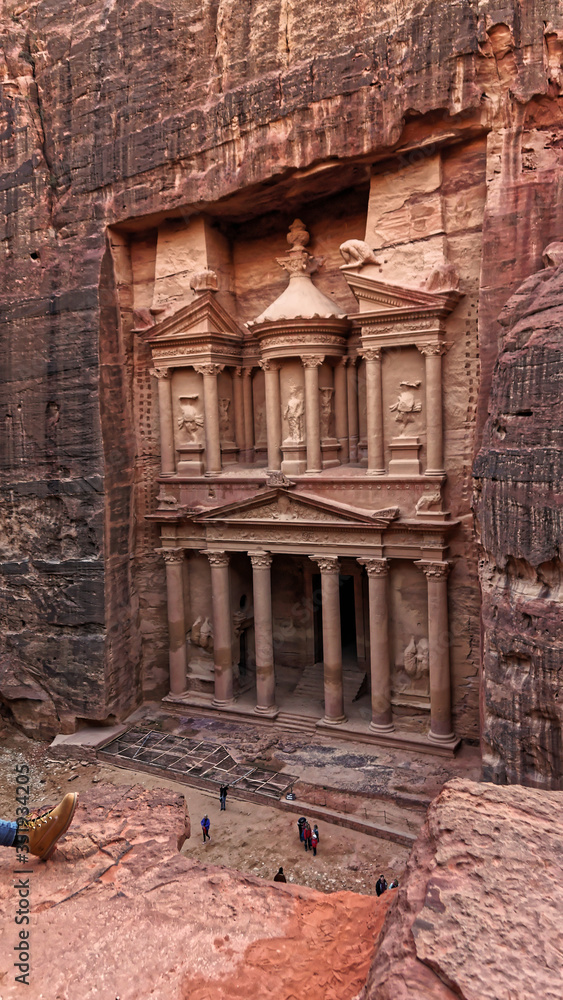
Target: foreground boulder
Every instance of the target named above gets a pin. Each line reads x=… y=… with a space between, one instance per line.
x=118 y=912
x=479 y=915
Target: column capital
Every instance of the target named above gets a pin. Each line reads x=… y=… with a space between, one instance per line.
x=269 y=366
x=161 y=373
x=343 y=362
x=433 y=349
x=434 y=570
x=327 y=564
x=375 y=566
x=220 y=558
x=172 y=555
x=312 y=360
x=247 y=370
x=371 y=354
x=238 y=370
x=260 y=559
x=209 y=368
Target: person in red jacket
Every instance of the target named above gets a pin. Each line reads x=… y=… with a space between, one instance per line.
x=314 y=841
x=307 y=836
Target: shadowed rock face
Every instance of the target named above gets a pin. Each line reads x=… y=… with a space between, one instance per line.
x=477 y=917
x=519 y=510
x=118 y=912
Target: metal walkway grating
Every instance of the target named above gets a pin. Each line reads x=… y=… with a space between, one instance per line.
x=193 y=762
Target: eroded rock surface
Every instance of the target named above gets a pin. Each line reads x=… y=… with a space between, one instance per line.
x=520 y=518
x=118 y=912
x=478 y=917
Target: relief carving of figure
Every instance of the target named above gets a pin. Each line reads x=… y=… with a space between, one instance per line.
x=406 y=406
x=416 y=658
x=260 y=425
x=201 y=634
x=428 y=500
x=294 y=412
x=190 y=420
x=224 y=417
x=357 y=252
x=326 y=410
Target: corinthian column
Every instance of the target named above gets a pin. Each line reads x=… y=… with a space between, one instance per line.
x=262 y=591
x=167 y=456
x=248 y=414
x=311 y=364
x=352 y=393
x=341 y=409
x=271 y=371
x=211 y=417
x=332 y=639
x=174 y=560
x=238 y=402
x=381 y=713
x=438 y=651
x=374 y=412
x=434 y=430
x=222 y=628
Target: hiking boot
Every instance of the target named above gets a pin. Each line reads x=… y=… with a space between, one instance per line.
x=44 y=832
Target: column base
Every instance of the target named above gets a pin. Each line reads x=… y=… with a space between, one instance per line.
x=270 y=712
x=381 y=727
x=325 y=721
x=174 y=695
x=434 y=472
x=219 y=703
x=375 y=472
x=211 y=472
x=442 y=738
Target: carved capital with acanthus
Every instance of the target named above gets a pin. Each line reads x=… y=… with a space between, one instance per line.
x=161 y=373
x=216 y=558
x=434 y=570
x=432 y=350
x=269 y=366
x=375 y=566
x=312 y=360
x=209 y=369
x=238 y=371
x=172 y=555
x=327 y=564
x=371 y=354
x=260 y=559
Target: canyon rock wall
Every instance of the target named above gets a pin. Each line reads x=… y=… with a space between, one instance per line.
x=519 y=509
x=115 y=115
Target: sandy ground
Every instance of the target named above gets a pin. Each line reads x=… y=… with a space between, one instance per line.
x=251 y=838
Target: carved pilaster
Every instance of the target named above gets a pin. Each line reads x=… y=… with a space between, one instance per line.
x=380 y=664
x=374 y=411
x=438 y=649
x=311 y=364
x=174 y=559
x=432 y=353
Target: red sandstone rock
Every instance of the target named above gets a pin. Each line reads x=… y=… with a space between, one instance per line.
x=518 y=475
x=478 y=916
x=118 y=912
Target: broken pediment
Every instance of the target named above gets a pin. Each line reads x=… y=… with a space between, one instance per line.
x=200 y=326
x=379 y=298
x=282 y=505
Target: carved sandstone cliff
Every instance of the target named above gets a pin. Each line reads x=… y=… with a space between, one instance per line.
x=519 y=510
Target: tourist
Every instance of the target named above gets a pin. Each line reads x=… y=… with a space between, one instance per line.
x=301 y=823
x=380 y=885
x=307 y=836
x=223 y=796
x=205 y=824
x=39 y=836
x=314 y=841
x=394 y=884
x=280 y=877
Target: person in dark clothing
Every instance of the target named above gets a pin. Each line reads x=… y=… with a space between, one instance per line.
x=280 y=877
x=307 y=836
x=205 y=824
x=380 y=885
x=223 y=796
x=301 y=823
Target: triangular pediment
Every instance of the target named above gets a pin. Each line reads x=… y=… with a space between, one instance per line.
x=204 y=316
x=282 y=505
x=375 y=296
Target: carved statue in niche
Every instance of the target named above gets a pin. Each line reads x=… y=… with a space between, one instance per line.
x=200 y=636
x=260 y=425
x=326 y=410
x=416 y=659
x=406 y=406
x=190 y=420
x=356 y=252
x=225 y=417
x=294 y=413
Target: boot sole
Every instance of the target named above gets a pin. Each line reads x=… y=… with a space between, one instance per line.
x=53 y=847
